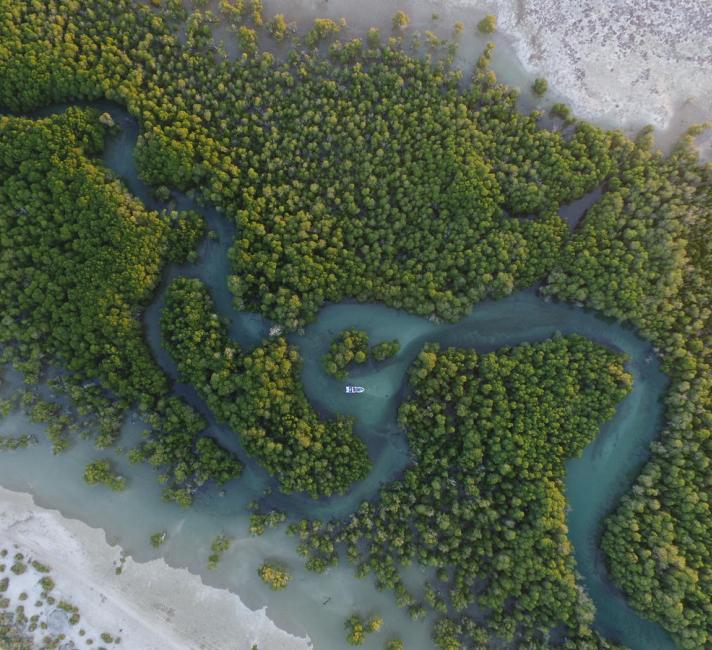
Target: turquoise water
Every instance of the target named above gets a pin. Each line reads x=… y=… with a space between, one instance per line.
x=594 y=482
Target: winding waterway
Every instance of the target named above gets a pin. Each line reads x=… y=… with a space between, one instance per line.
x=317 y=605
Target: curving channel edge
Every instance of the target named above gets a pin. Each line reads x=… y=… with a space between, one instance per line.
x=594 y=482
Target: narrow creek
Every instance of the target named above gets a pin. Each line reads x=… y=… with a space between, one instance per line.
x=594 y=482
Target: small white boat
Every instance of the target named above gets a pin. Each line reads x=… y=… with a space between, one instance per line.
x=354 y=390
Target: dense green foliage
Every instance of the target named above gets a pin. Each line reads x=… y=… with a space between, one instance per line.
x=483 y=500
x=488 y=24
x=351 y=346
x=77 y=254
x=540 y=86
x=422 y=225
x=357 y=628
x=448 y=634
x=278 y=27
x=100 y=472
x=400 y=20
x=274 y=575
x=643 y=255
x=187 y=458
x=17 y=442
x=320 y=218
x=78 y=258
x=158 y=539
x=259 y=522
x=346 y=225
x=260 y=396
x=385 y=350
x=218 y=546
x=369 y=174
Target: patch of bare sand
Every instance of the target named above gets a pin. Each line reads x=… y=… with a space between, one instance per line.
x=151 y=606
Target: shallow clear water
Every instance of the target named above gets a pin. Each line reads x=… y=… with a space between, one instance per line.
x=318 y=605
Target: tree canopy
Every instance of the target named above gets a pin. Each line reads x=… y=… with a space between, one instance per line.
x=643 y=255
x=259 y=394
x=483 y=500
x=352 y=169
x=79 y=258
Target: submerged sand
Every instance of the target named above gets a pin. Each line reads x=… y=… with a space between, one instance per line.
x=151 y=606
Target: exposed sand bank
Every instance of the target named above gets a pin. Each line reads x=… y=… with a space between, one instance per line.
x=627 y=62
x=151 y=606
x=618 y=63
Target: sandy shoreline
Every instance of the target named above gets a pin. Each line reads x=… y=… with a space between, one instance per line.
x=617 y=63
x=627 y=63
x=151 y=605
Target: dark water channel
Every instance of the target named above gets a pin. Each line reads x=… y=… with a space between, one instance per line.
x=594 y=482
